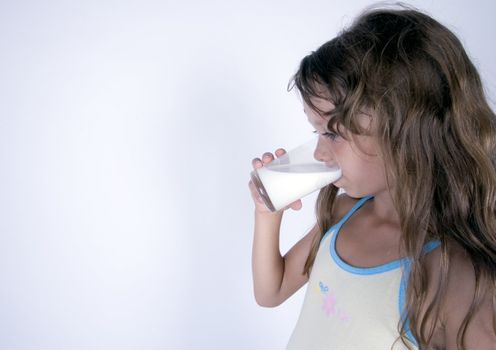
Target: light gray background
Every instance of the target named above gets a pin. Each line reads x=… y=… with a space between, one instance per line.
x=127 y=130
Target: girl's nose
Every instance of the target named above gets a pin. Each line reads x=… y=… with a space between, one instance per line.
x=322 y=153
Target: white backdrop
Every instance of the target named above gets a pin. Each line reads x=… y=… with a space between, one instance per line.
x=127 y=130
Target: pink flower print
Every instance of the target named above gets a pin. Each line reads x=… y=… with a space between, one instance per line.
x=343 y=316
x=329 y=305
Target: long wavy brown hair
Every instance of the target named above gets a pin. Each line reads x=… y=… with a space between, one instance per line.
x=438 y=139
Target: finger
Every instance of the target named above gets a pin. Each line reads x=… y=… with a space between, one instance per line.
x=280 y=152
x=254 y=192
x=256 y=163
x=267 y=157
x=296 y=205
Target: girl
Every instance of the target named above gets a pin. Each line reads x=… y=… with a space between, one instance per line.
x=406 y=256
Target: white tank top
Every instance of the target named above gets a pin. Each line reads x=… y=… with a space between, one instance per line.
x=352 y=308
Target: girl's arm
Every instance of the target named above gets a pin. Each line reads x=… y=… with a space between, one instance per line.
x=480 y=333
x=275 y=278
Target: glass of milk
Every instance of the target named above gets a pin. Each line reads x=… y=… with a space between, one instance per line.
x=293 y=176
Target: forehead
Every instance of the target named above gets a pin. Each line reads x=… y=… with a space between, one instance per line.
x=321 y=105
x=365 y=119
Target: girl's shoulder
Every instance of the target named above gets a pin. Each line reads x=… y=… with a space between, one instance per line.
x=460 y=269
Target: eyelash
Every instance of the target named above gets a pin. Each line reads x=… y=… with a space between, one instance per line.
x=330 y=135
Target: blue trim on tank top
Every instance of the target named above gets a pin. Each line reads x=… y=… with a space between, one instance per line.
x=334 y=230
x=350 y=268
x=430 y=246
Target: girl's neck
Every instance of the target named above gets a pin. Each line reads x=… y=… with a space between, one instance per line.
x=381 y=207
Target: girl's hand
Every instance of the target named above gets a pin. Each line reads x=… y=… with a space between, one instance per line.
x=259 y=203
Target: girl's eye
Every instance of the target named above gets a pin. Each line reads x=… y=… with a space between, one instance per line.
x=330 y=135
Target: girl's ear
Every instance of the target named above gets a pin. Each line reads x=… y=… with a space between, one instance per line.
x=367 y=121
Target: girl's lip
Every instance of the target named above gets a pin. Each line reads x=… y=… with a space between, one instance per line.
x=331 y=165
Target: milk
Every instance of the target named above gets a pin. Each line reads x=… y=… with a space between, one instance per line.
x=286 y=183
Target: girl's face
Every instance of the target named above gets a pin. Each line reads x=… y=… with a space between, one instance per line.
x=359 y=156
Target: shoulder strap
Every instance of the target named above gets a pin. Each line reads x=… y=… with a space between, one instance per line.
x=337 y=226
x=352 y=210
